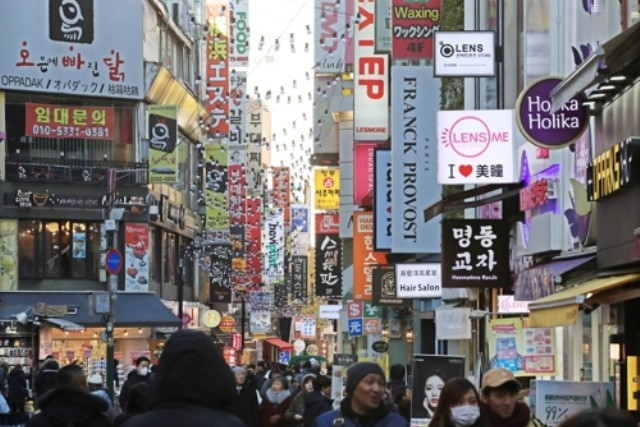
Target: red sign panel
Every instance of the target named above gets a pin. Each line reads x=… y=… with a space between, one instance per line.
x=281 y=192
x=413 y=25
x=253 y=235
x=65 y=121
x=218 y=68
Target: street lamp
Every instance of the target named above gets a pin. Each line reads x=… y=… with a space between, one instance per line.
x=408 y=335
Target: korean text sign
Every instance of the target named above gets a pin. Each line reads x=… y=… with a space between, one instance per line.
x=418 y=281
x=66 y=121
x=76 y=52
x=365 y=258
x=475 y=147
x=475 y=253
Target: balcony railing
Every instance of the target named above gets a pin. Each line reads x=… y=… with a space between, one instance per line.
x=82 y=172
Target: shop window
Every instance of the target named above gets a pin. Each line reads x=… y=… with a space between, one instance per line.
x=58 y=249
x=170 y=258
x=155 y=255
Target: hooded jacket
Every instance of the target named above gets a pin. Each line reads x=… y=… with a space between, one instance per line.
x=315 y=404
x=192 y=387
x=46 y=379
x=17 y=382
x=66 y=406
x=132 y=379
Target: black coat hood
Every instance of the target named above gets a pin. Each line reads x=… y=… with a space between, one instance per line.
x=64 y=405
x=192 y=371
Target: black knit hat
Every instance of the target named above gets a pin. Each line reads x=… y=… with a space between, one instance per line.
x=357 y=372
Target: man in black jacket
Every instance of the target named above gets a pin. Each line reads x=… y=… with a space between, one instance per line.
x=193 y=386
x=142 y=374
x=318 y=401
x=70 y=403
x=245 y=404
x=46 y=379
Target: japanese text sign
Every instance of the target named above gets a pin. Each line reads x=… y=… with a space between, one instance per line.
x=413 y=24
x=475 y=253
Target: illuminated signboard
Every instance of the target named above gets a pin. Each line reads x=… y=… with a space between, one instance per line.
x=613 y=170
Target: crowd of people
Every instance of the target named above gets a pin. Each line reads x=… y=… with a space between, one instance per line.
x=192 y=385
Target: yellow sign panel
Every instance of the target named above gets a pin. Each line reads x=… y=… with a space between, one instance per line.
x=327 y=188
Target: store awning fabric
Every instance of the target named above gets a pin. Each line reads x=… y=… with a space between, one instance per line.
x=132 y=309
x=277 y=342
x=562 y=307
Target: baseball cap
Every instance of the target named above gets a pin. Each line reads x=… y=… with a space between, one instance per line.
x=95 y=379
x=498 y=377
x=314 y=362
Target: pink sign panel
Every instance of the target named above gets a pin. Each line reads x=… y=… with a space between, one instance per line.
x=362 y=170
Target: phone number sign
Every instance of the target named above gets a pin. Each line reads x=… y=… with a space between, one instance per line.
x=64 y=121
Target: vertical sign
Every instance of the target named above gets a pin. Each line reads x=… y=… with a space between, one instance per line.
x=328 y=265
x=354 y=318
x=413 y=154
x=218 y=67
x=239 y=31
x=273 y=247
x=281 y=193
x=299 y=229
x=362 y=170
x=365 y=258
x=327 y=188
x=332 y=35
x=9 y=256
x=382 y=199
x=299 y=279
x=371 y=87
x=238 y=108
x=217 y=212
x=475 y=253
x=136 y=257
x=253 y=232
x=412 y=27
x=163 y=138
x=383 y=26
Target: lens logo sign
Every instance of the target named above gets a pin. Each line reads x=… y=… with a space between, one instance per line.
x=464 y=53
x=475 y=147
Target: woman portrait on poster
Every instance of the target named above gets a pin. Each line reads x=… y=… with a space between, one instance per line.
x=433 y=384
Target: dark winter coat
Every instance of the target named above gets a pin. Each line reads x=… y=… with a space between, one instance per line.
x=383 y=417
x=47 y=378
x=315 y=404
x=65 y=406
x=245 y=406
x=269 y=408
x=193 y=386
x=17 y=382
x=132 y=379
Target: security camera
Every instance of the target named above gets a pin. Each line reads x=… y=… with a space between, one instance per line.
x=153 y=212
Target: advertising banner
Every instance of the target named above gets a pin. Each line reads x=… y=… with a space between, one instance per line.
x=430 y=372
x=300 y=218
x=273 y=247
x=9 y=257
x=475 y=253
x=217 y=83
x=239 y=31
x=72 y=48
x=418 y=281
x=218 y=265
x=412 y=27
x=384 y=287
x=476 y=147
x=371 y=80
x=383 y=26
x=453 y=323
x=414 y=103
x=365 y=257
x=328 y=265
x=299 y=274
x=333 y=38
x=69 y=122
x=253 y=230
x=522 y=350
x=555 y=401
x=238 y=109
x=237 y=187
x=136 y=257
x=362 y=170
x=382 y=199
x=216 y=184
x=464 y=54
x=163 y=137
x=281 y=192
x=327 y=188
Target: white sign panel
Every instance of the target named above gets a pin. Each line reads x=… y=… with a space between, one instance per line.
x=239 y=48
x=273 y=247
x=475 y=147
x=507 y=304
x=371 y=87
x=65 y=47
x=327 y=311
x=453 y=324
x=418 y=280
x=414 y=106
x=464 y=53
x=331 y=34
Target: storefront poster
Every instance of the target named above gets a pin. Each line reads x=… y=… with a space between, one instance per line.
x=555 y=401
x=430 y=372
x=163 y=138
x=9 y=255
x=79 y=245
x=136 y=240
x=260 y=321
x=524 y=351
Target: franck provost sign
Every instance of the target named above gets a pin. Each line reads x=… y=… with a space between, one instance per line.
x=464 y=54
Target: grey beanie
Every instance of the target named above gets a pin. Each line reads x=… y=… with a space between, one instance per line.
x=357 y=372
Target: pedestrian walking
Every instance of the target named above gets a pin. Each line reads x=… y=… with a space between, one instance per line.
x=17 y=394
x=499 y=403
x=70 y=403
x=193 y=386
x=245 y=403
x=275 y=402
x=94 y=382
x=295 y=411
x=458 y=405
x=138 y=403
x=46 y=379
x=141 y=374
x=402 y=402
x=363 y=404
x=318 y=401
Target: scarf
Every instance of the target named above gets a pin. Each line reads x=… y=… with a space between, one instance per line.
x=519 y=418
x=277 y=398
x=363 y=420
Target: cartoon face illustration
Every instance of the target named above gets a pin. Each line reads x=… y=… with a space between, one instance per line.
x=160 y=136
x=71 y=15
x=71 y=21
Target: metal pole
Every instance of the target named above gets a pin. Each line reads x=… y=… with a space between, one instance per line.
x=242 y=322
x=113 y=288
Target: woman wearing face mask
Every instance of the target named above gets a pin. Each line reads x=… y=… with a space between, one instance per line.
x=142 y=374
x=458 y=405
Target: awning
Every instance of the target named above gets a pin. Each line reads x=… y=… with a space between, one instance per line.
x=562 y=307
x=620 y=57
x=132 y=309
x=544 y=277
x=277 y=342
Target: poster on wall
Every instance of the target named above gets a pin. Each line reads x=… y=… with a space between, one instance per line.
x=555 y=401
x=522 y=350
x=136 y=258
x=430 y=372
x=79 y=247
x=9 y=255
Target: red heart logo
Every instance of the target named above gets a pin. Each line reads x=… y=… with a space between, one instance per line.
x=465 y=170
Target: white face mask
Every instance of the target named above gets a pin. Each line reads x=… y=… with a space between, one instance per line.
x=143 y=371
x=465 y=415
